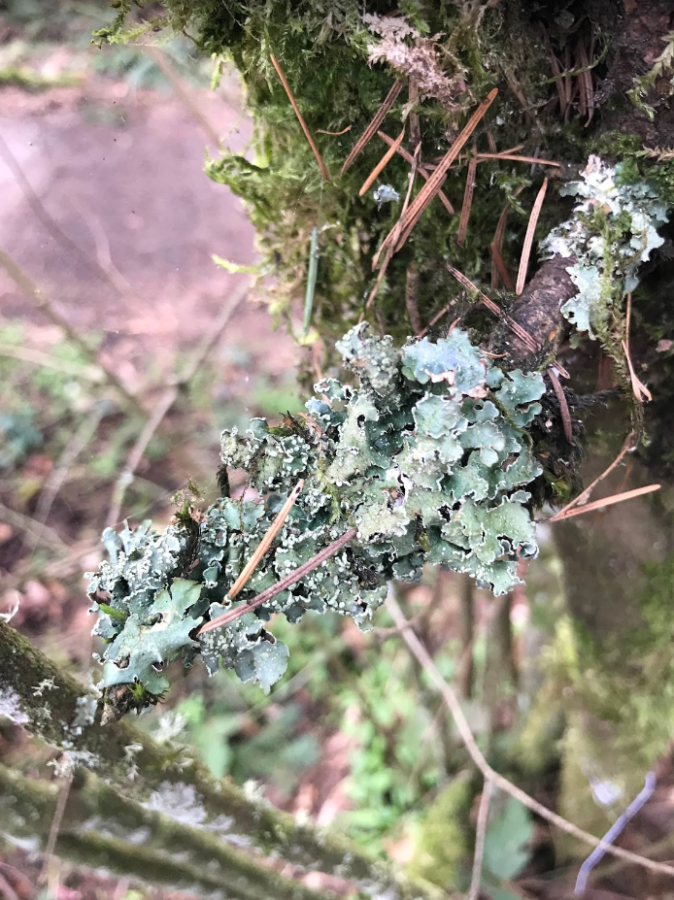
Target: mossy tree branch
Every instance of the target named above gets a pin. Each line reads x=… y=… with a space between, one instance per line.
x=100 y=820
x=57 y=717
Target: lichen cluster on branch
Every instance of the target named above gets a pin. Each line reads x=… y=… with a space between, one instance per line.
x=427 y=456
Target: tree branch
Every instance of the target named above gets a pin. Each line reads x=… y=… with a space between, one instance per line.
x=57 y=717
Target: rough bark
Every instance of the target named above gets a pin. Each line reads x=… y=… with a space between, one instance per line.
x=120 y=752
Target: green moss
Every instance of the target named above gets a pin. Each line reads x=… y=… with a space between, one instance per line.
x=444 y=841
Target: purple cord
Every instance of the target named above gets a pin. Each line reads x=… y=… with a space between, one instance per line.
x=613 y=832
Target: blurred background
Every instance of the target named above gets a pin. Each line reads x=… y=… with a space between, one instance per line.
x=123 y=354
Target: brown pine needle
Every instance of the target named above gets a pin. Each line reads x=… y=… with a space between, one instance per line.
x=628 y=447
x=381 y=165
x=434 y=183
x=300 y=118
x=233 y=614
x=515 y=327
x=516 y=158
x=389 y=249
x=563 y=405
x=499 y=235
x=371 y=129
x=529 y=238
x=422 y=170
x=334 y=133
x=492 y=143
x=500 y=268
x=607 y=501
x=639 y=389
x=467 y=199
x=265 y=544
x=436 y=318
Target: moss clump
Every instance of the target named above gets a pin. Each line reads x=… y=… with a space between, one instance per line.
x=444 y=841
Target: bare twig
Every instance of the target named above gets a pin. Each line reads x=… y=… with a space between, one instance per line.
x=467 y=199
x=607 y=501
x=35 y=529
x=615 y=831
x=480 y=835
x=371 y=129
x=563 y=405
x=529 y=238
x=422 y=170
x=41 y=300
x=6 y=889
x=40 y=358
x=424 y=659
x=299 y=573
x=165 y=403
x=381 y=165
x=266 y=541
x=300 y=118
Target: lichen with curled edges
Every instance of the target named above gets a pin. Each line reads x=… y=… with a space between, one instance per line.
x=613 y=229
x=427 y=456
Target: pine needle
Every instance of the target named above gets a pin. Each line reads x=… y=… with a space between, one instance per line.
x=266 y=541
x=381 y=165
x=607 y=501
x=467 y=199
x=422 y=170
x=529 y=238
x=500 y=269
x=371 y=129
x=434 y=183
x=300 y=118
x=334 y=133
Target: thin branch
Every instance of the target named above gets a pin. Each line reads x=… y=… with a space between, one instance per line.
x=607 y=501
x=299 y=573
x=615 y=831
x=164 y=405
x=40 y=358
x=6 y=889
x=41 y=300
x=35 y=529
x=300 y=118
x=480 y=835
x=424 y=659
x=422 y=170
x=563 y=405
x=381 y=165
x=371 y=129
x=266 y=541
x=529 y=238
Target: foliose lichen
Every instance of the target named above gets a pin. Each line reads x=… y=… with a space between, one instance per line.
x=612 y=231
x=427 y=455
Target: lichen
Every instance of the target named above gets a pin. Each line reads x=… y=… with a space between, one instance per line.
x=612 y=231
x=426 y=456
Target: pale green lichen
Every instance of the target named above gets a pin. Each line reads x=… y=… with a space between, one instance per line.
x=426 y=456
x=613 y=230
